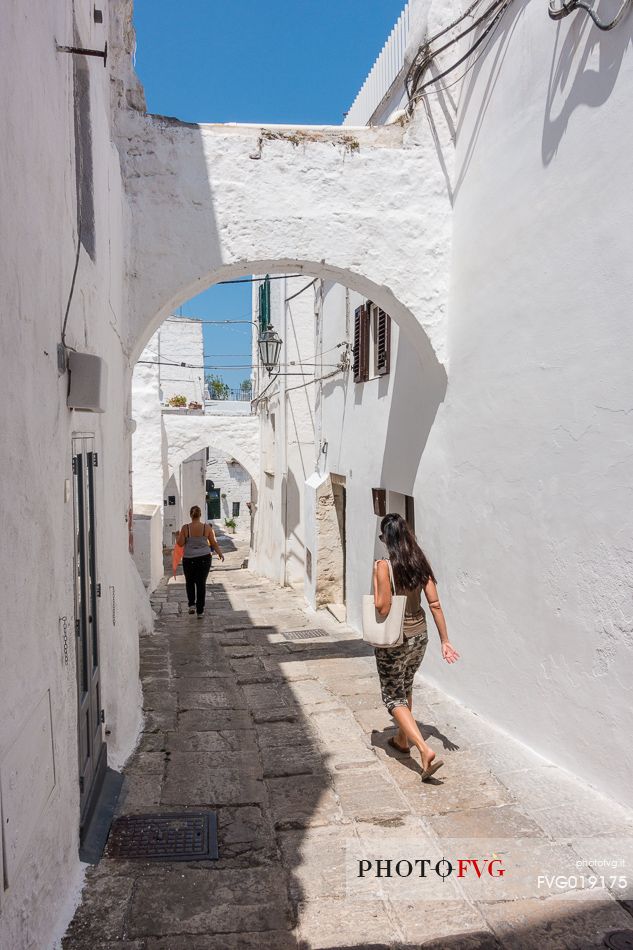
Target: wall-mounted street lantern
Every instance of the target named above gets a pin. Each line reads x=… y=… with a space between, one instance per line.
x=269 y=344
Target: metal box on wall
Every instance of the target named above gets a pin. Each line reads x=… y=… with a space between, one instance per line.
x=88 y=382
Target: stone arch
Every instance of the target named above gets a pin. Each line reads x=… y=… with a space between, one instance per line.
x=236 y=435
x=211 y=203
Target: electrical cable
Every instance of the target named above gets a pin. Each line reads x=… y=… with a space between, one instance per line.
x=317 y=379
x=174 y=319
x=325 y=352
x=223 y=366
x=455 y=82
x=451 y=26
x=307 y=287
x=557 y=13
x=72 y=289
x=259 y=280
x=258 y=399
x=490 y=28
x=419 y=66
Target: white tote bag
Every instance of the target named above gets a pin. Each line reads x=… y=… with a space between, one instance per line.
x=384 y=631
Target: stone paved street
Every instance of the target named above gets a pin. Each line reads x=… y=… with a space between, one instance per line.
x=287 y=741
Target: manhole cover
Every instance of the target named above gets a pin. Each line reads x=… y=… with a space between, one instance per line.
x=188 y=836
x=303 y=634
x=619 y=939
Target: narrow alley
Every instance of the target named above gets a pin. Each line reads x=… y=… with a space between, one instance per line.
x=303 y=273
x=286 y=739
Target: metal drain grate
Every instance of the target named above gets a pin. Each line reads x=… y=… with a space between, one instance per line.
x=186 y=836
x=303 y=634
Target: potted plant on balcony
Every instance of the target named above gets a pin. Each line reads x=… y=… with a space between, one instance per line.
x=178 y=402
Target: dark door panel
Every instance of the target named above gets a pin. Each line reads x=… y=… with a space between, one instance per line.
x=92 y=748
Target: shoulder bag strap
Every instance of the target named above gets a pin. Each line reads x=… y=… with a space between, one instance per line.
x=391 y=577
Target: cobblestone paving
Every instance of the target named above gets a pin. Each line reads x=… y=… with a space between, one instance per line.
x=287 y=740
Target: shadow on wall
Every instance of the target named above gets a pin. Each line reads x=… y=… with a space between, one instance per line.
x=590 y=85
x=164 y=449
x=293 y=503
x=417 y=394
x=497 y=46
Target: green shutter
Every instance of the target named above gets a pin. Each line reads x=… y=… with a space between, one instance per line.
x=264 y=304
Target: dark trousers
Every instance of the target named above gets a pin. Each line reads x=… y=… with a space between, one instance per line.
x=196 y=570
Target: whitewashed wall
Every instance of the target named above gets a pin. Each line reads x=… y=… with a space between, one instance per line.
x=38 y=234
x=192 y=484
x=233 y=434
x=179 y=340
x=520 y=471
x=148 y=544
x=521 y=489
x=374 y=435
x=525 y=486
x=233 y=481
x=149 y=462
x=287 y=443
x=172 y=513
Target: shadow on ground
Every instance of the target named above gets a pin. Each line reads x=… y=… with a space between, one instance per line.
x=286 y=740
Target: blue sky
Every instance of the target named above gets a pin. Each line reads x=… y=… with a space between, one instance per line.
x=289 y=61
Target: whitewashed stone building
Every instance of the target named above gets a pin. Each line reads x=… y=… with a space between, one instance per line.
x=176 y=461
x=233 y=483
x=170 y=369
x=72 y=599
x=506 y=452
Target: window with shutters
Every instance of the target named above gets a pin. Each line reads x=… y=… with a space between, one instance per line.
x=381 y=338
x=372 y=342
x=360 y=351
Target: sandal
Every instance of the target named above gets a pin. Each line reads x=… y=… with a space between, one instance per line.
x=394 y=745
x=432 y=769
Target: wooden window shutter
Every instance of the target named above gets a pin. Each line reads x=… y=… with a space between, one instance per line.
x=383 y=343
x=361 y=344
x=379 y=499
x=264 y=304
x=410 y=511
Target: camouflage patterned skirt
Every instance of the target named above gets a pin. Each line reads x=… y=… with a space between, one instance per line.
x=396 y=668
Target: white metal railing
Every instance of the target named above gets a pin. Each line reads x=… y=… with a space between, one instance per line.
x=382 y=74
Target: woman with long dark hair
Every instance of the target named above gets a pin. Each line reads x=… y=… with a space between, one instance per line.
x=397 y=666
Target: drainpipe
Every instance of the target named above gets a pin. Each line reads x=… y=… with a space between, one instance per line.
x=283 y=431
x=319 y=351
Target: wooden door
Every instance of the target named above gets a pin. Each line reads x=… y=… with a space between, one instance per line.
x=92 y=748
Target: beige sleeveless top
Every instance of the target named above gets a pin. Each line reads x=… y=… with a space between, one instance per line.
x=414 y=616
